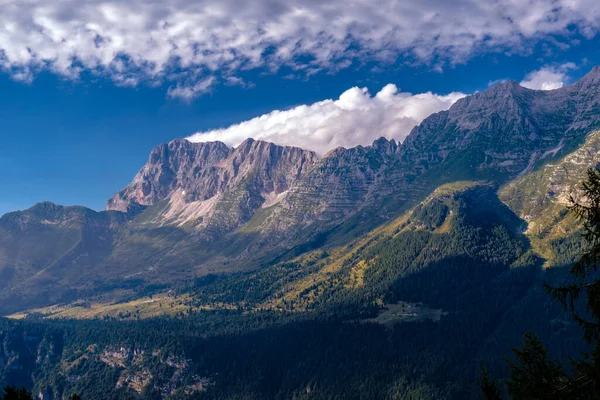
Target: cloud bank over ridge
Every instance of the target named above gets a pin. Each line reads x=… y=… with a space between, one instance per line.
x=356 y=117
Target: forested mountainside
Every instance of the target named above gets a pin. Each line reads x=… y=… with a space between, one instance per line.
x=386 y=271
x=413 y=310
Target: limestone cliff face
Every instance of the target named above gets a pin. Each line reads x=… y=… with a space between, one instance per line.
x=341 y=184
x=534 y=195
x=175 y=165
x=204 y=182
x=213 y=186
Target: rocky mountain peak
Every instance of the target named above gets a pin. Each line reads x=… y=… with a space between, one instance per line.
x=592 y=77
x=269 y=167
x=247 y=144
x=507 y=87
x=385 y=146
x=505 y=96
x=200 y=180
x=580 y=101
x=47 y=213
x=586 y=89
x=45 y=206
x=507 y=128
x=262 y=154
x=169 y=166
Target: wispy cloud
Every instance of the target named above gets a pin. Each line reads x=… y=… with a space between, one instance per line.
x=355 y=118
x=237 y=81
x=497 y=82
x=183 y=41
x=188 y=92
x=548 y=77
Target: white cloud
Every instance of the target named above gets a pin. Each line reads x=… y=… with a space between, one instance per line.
x=496 y=82
x=184 y=41
x=237 y=81
x=188 y=92
x=548 y=77
x=355 y=118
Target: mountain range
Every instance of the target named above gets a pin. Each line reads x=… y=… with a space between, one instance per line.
x=198 y=208
x=471 y=203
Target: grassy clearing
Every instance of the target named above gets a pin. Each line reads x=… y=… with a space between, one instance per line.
x=406 y=312
x=146 y=307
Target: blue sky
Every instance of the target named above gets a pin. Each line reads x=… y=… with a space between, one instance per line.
x=79 y=119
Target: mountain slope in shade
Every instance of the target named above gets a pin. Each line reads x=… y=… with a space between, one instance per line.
x=50 y=246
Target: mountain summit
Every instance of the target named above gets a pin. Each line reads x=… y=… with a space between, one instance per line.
x=212 y=184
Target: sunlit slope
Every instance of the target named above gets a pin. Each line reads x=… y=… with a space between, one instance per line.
x=542 y=198
x=461 y=231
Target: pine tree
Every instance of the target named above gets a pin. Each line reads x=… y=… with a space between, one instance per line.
x=534 y=375
x=12 y=393
x=489 y=387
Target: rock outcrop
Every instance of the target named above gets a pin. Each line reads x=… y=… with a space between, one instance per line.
x=211 y=184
